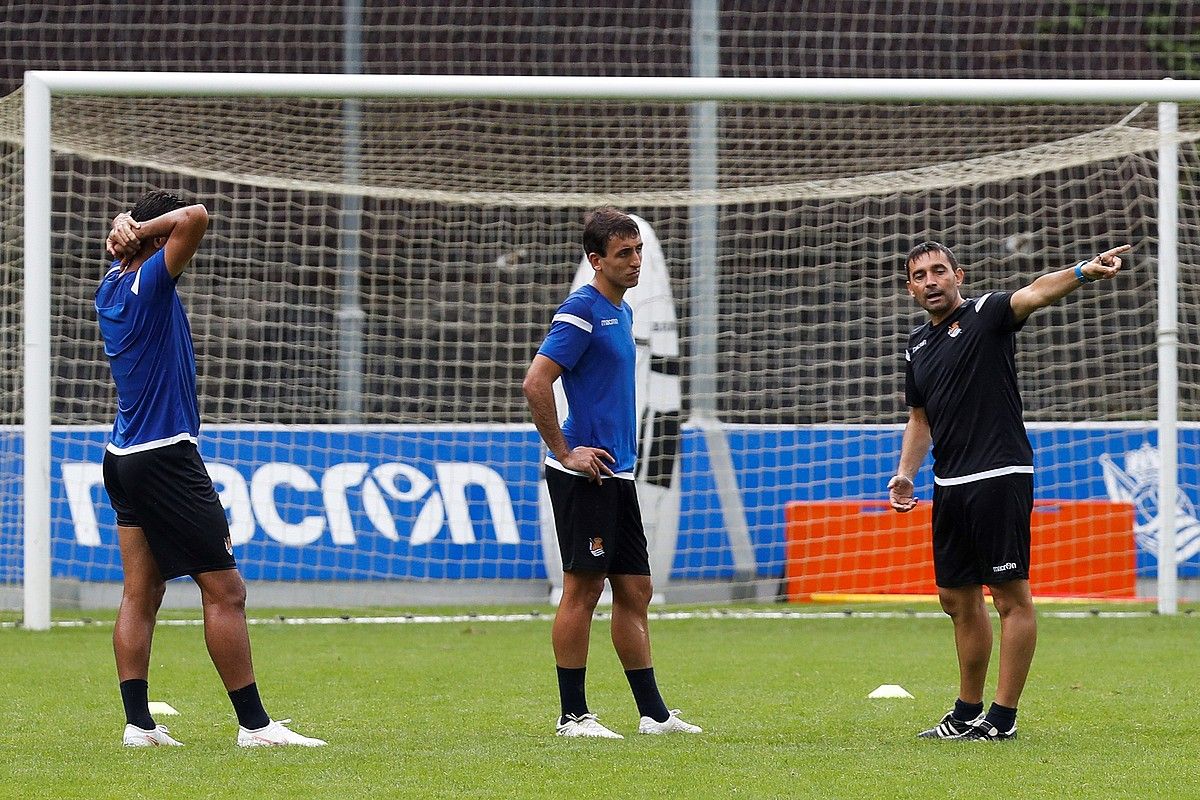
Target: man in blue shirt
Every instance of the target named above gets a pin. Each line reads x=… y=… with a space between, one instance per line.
x=169 y=520
x=589 y=475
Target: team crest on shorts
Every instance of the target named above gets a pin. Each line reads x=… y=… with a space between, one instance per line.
x=596 y=546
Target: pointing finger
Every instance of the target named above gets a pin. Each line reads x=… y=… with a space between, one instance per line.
x=1116 y=251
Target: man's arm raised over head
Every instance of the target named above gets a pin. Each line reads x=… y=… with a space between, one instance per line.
x=182 y=228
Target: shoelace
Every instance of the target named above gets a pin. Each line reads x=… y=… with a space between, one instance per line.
x=582 y=719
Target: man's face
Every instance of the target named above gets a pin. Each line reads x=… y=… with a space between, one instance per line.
x=934 y=283
x=621 y=266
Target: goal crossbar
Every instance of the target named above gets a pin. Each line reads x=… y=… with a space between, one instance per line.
x=681 y=89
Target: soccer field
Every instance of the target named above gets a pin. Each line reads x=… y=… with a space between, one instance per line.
x=465 y=709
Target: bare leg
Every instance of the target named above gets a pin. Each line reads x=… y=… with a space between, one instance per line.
x=972 y=638
x=141 y=597
x=223 y=594
x=573 y=621
x=630 y=629
x=1018 y=638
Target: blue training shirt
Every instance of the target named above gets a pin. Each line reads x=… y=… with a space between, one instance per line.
x=149 y=346
x=592 y=340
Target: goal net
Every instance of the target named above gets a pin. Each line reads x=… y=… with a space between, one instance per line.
x=363 y=315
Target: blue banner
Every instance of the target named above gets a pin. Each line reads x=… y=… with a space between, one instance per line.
x=461 y=502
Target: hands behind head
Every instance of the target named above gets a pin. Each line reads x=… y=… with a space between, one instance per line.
x=124 y=240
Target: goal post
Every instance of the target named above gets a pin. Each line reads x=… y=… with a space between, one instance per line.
x=853 y=187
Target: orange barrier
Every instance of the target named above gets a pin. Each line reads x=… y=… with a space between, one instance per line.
x=1080 y=548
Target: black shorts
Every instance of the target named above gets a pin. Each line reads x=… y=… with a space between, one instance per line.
x=167 y=493
x=599 y=526
x=981 y=531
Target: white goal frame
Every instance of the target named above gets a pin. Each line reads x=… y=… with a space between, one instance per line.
x=40 y=86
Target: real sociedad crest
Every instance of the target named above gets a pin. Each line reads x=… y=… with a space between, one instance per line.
x=1137 y=484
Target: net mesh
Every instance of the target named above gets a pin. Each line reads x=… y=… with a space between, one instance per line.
x=469 y=218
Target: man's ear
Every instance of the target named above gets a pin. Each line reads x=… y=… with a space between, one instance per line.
x=594 y=260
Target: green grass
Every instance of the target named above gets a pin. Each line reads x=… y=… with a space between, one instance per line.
x=466 y=709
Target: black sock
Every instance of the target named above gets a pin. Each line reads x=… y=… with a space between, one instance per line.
x=571 y=693
x=645 y=694
x=966 y=712
x=249 y=708
x=137 y=709
x=1002 y=718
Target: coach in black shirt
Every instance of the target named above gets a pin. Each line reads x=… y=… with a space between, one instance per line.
x=961 y=384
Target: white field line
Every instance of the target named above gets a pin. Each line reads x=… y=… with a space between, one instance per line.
x=540 y=616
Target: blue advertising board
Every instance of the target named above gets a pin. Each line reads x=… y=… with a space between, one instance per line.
x=461 y=502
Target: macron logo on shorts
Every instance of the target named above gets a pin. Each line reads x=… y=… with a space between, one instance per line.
x=1004 y=567
x=596 y=546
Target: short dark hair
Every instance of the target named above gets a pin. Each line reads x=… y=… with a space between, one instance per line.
x=928 y=247
x=155 y=203
x=604 y=224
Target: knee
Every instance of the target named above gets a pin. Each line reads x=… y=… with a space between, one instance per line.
x=583 y=592
x=147 y=596
x=636 y=597
x=1012 y=606
x=959 y=605
x=229 y=595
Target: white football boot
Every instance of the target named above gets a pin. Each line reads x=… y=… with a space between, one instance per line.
x=672 y=724
x=156 y=737
x=584 y=725
x=275 y=735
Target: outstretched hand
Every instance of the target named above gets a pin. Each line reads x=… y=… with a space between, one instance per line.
x=1106 y=265
x=590 y=461
x=124 y=240
x=900 y=493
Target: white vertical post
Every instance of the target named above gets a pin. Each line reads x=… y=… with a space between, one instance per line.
x=36 y=511
x=350 y=315
x=705 y=306
x=703 y=178
x=1168 y=342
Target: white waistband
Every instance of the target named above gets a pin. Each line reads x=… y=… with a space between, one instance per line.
x=552 y=462
x=157 y=443
x=983 y=476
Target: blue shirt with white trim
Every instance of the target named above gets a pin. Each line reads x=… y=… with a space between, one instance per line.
x=592 y=340
x=149 y=346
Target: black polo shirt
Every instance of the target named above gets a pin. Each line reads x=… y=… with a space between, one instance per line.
x=963 y=372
